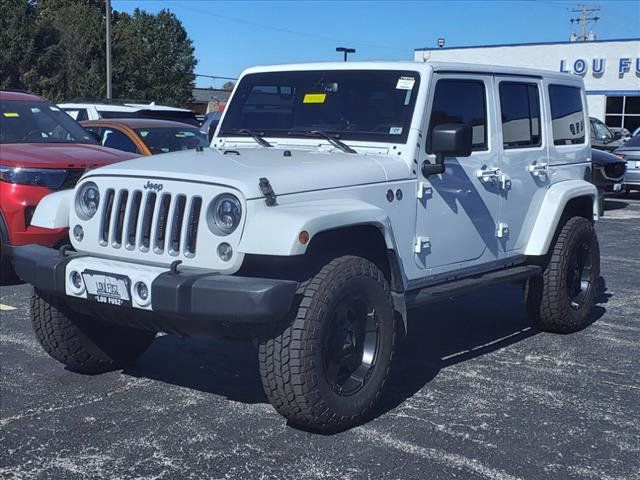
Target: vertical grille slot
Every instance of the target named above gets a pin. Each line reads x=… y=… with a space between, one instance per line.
x=132 y=223
x=192 y=226
x=121 y=209
x=176 y=225
x=161 y=223
x=106 y=217
x=147 y=217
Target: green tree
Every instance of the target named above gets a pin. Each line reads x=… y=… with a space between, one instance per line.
x=56 y=48
x=17 y=20
x=69 y=39
x=152 y=58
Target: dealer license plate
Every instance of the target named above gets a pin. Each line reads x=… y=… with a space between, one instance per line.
x=107 y=288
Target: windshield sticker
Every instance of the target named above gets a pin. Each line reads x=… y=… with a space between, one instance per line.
x=314 y=98
x=35 y=110
x=405 y=83
x=11 y=114
x=395 y=131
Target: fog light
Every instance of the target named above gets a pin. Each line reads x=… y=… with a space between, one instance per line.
x=225 y=252
x=142 y=290
x=77 y=285
x=76 y=279
x=78 y=233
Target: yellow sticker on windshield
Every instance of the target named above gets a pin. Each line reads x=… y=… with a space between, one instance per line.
x=11 y=114
x=314 y=98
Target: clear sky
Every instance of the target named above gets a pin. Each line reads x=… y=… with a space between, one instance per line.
x=230 y=36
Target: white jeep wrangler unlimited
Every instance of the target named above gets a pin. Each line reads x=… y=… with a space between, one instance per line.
x=335 y=197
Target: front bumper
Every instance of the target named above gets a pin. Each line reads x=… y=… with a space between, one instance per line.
x=182 y=302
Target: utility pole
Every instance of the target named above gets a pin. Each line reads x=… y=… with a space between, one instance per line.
x=583 y=20
x=108 y=35
x=346 y=51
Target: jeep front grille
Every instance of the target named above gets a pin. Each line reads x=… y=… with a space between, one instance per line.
x=150 y=222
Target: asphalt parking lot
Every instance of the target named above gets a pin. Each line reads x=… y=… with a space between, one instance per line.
x=475 y=394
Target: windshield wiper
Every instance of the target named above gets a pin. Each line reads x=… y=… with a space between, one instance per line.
x=332 y=139
x=257 y=136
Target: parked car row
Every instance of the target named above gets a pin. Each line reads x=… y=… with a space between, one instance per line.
x=43 y=151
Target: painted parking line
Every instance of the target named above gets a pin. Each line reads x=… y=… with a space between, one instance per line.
x=7 y=308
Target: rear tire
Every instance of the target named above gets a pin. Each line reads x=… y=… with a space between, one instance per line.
x=82 y=343
x=561 y=298
x=326 y=370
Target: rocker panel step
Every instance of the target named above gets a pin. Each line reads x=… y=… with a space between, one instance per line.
x=442 y=291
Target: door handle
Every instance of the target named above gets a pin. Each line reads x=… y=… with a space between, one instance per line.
x=488 y=175
x=538 y=169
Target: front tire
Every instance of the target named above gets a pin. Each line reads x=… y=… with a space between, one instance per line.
x=561 y=298
x=326 y=370
x=82 y=343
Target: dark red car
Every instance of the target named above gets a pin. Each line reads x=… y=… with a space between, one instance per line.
x=42 y=149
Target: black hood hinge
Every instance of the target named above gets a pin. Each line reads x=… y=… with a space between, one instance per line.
x=267 y=191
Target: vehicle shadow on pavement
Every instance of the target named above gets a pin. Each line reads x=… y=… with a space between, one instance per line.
x=440 y=335
x=459 y=330
x=614 y=204
x=221 y=367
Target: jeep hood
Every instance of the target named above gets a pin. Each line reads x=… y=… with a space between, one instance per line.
x=242 y=169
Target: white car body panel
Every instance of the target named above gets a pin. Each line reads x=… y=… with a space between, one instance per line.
x=53 y=210
x=555 y=199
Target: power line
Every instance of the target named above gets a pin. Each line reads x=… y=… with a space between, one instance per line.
x=285 y=30
x=215 y=77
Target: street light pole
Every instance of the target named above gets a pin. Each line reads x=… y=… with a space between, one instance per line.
x=346 y=51
x=108 y=35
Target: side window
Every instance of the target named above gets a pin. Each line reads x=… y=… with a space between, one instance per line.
x=567 y=115
x=82 y=115
x=460 y=101
x=118 y=140
x=97 y=131
x=520 y=110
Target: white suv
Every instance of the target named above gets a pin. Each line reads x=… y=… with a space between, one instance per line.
x=95 y=111
x=337 y=196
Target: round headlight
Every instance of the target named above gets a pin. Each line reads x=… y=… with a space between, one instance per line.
x=87 y=200
x=226 y=213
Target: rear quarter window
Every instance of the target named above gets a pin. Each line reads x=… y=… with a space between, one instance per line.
x=567 y=115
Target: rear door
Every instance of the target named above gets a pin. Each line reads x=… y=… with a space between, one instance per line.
x=524 y=159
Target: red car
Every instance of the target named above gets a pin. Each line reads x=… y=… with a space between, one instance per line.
x=42 y=149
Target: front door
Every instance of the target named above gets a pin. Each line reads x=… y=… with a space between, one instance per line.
x=524 y=159
x=457 y=211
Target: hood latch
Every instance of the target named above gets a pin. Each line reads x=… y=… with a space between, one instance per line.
x=267 y=191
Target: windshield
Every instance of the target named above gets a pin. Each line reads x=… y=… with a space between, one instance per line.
x=38 y=122
x=172 y=139
x=601 y=130
x=374 y=105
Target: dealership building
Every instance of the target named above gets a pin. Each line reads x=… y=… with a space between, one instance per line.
x=610 y=68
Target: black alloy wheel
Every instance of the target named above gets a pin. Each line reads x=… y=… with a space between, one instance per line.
x=351 y=345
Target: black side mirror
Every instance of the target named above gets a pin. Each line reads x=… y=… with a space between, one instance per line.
x=452 y=139
x=617 y=136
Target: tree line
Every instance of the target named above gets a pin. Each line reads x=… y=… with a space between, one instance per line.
x=56 y=48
